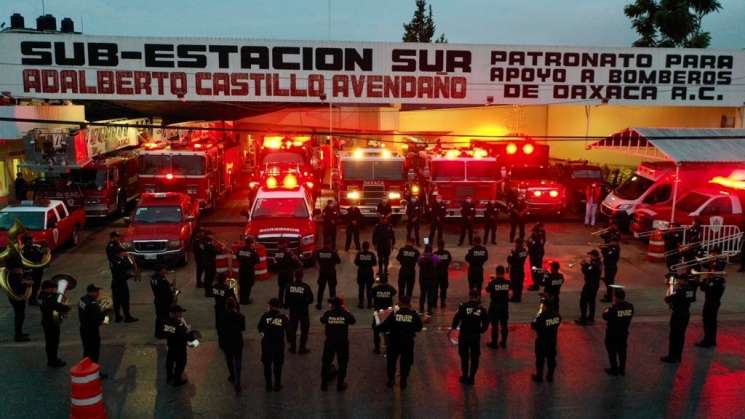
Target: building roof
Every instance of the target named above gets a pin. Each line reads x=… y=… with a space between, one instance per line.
x=679 y=145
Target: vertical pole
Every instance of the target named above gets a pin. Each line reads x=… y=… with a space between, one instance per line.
x=675 y=192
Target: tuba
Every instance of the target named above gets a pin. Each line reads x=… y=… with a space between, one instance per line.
x=6 y=286
x=14 y=252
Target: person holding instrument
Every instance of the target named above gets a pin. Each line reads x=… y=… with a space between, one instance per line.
x=712 y=283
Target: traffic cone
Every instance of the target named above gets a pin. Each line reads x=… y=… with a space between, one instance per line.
x=656 y=247
x=86 y=400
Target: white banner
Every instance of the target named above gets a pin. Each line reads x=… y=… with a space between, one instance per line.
x=62 y=66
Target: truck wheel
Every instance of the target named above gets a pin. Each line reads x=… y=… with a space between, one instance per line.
x=75 y=237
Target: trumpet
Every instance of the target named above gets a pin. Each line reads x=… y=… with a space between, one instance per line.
x=601 y=232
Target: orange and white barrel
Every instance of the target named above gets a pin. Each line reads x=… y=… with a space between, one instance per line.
x=86 y=399
x=262 y=268
x=656 y=247
x=222 y=263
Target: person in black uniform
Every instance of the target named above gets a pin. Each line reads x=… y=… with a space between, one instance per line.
x=91 y=318
x=693 y=234
x=122 y=269
x=247 y=261
x=442 y=274
x=286 y=262
x=209 y=255
x=428 y=262
x=365 y=262
x=472 y=319
x=330 y=217
x=611 y=254
x=234 y=323
x=407 y=257
x=34 y=253
x=437 y=214
x=197 y=249
x=383 y=238
x=712 y=285
x=673 y=240
x=591 y=270
x=383 y=294
x=20 y=187
x=517 y=208
x=536 y=250
x=327 y=259
x=221 y=291
x=552 y=282
x=491 y=214
x=402 y=327
x=384 y=209
x=612 y=233
x=618 y=318
x=272 y=327
x=337 y=320
x=354 y=221
x=546 y=326
x=177 y=332
x=163 y=297
x=516 y=263
x=20 y=283
x=476 y=258
x=467 y=217
x=680 y=303
x=413 y=217
x=499 y=309
x=114 y=246
x=51 y=325
x=299 y=297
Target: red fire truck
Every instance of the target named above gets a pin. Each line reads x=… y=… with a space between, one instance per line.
x=367 y=175
x=543 y=194
x=204 y=169
x=283 y=210
x=279 y=156
x=455 y=174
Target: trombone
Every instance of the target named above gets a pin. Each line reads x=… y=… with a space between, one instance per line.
x=696 y=261
x=662 y=230
x=601 y=232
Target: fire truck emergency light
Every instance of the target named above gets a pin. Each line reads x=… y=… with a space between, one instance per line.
x=736 y=180
x=386 y=154
x=169 y=176
x=415 y=189
x=353 y=195
x=357 y=154
x=289 y=182
x=309 y=185
x=274 y=142
x=452 y=154
x=553 y=194
x=537 y=193
x=271 y=182
x=528 y=148
x=511 y=148
x=479 y=153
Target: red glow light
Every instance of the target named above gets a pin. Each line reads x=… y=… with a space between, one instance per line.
x=271 y=182
x=537 y=193
x=169 y=176
x=528 y=149
x=511 y=148
x=553 y=194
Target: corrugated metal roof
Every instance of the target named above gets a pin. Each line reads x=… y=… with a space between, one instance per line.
x=680 y=145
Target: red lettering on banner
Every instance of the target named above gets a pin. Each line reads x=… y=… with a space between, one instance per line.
x=221 y=84
x=256 y=79
x=458 y=87
x=83 y=84
x=142 y=82
x=315 y=85
x=124 y=82
x=31 y=81
x=201 y=90
x=391 y=87
x=105 y=81
x=340 y=85
x=160 y=77
x=49 y=81
x=408 y=87
x=239 y=83
x=424 y=88
x=278 y=91
x=375 y=86
x=68 y=81
x=294 y=90
x=178 y=83
x=358 y=85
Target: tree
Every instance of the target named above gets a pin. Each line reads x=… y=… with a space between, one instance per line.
x=671 y=23
x=422 y=27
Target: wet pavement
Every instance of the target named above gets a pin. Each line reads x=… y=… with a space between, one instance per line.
x=707 y=384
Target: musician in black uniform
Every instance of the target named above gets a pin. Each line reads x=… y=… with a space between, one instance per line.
x=407 y=257
x=673 y=239
x=591 y=270
x=365 y=262
x=34 y=253
x=472 y=320
x=122 y=269
x=163 y=298
x=247 y=258
x=272 y=326
x=680 y=303
x=221 y=291
x=384 y=209
x=428 y=262
x=476 y=258
x=437 y=213
x=536 y=250
x=330 y=217
x=114 y=246
x=402 y=327
x=209 y=253
x=713 y=286
x=516 y=263
x=517 y=208
x=286 y=262
x=383 y=294
x=491 y=213
x=91 y=318
x=197 y=248
x=354 y=221
x=546 y=326
x=299 y=297
x=618 y=318
x=467 y=216
x=413 y=217
x=177 y=332
x=234 y=323
x=611 y=254
x=442 y=275
x=693 y=234
x=327 y=259
x=19 y=283
x=51 y=325
x=383 y=238
x=499 y=310
x=552 y=282
x=611 y=233
x=337 y=320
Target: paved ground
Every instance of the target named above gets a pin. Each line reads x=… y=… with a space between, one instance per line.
x=707 y=384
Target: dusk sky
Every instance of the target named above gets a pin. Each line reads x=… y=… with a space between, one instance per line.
x=547 y=22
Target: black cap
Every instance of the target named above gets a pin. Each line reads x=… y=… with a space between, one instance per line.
x=593 y=252
x=274 y=302
x=619 y=293
x=554 y=265
x=177 y=309
x=92 y=288
x=299 y=274
x=336 y=302
x=474 y=293
x=114 y=234
x=404 y=299
x=500 y=270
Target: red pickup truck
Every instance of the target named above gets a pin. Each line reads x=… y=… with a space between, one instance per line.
x=49 y=222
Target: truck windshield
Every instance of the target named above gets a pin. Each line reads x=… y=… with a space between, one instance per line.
x=188 y=165
x=88 y=178
x=633 y=187
x=691 y=202
x=284 y=157
x=155 y=164
x=388 y=169
x=280 y=208
x=158 y=164
x=158 y=215
x=533 y=172
x=357 y=169
x=481 y=170
x=587 y=174
x=448 y=170
x=32 y=220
